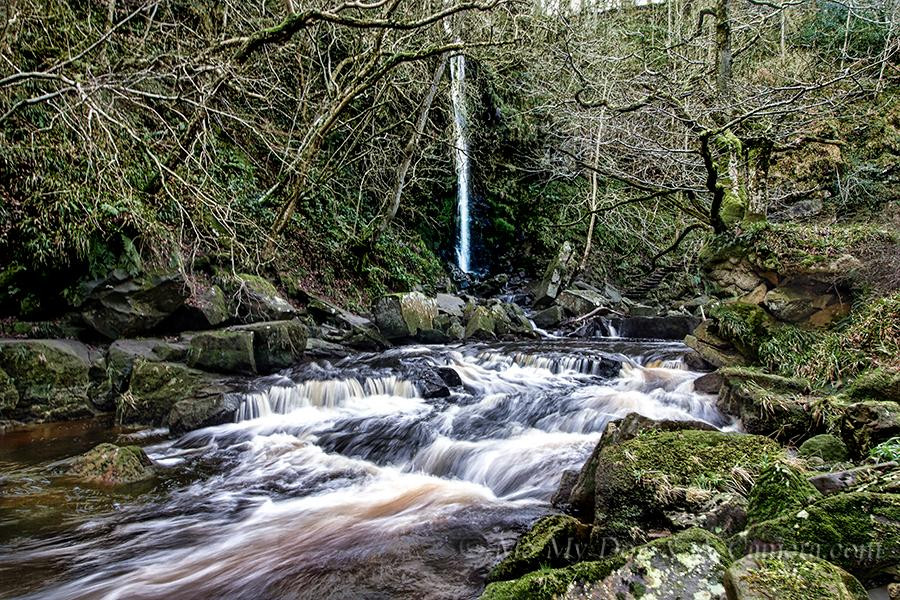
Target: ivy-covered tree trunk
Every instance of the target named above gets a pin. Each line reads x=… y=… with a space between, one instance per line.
x=759 y=157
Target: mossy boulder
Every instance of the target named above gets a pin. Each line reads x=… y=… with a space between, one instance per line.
x=859 y=531
x=123 y=306
x=108 y=464
x=555 y=540
x=864 y=425
x=768 y=404
x=690 y=564
x=746 y=326
x=583 y=492
x=826 y=446
x=716 y=357
x=251 y=299
x=481 y=324
x=878 y=384
x=227 y=351
x=276 y=344
x=205 y=308
x=121 y=355
x=796 y=303
x=204 y=411
x=401 y=316
x=790 y=576
x=637 y=481
x=549 y=317
x=51 y=379
x=156 y=387
x=779 y=488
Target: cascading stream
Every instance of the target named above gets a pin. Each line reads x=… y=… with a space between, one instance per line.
x=342 y=481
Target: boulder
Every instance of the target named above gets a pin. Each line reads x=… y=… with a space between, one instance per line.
x=556 y=276
x=108 y=464
x=481 y=324
x=690 y=564
x=877 y=384
x=121 y=306
x=553 y=541
x=276 y=344
x=121 y=355
x=448 y=304
x=713 y=356
x=580 y=302
x=206 y=411
x=790 y=575
x=858 y=531
x=872 y=478
x=828 y=447
x=795 y=303
x=710 y=383
x=735 y=278
x=549 y=317
x=866 y=424
x=156 y=387
x=226 y=351
x=252 y=299
x=779 y=488
x=51 y=379
x=768 y=404
x=346 y=328
x=204 y=309
x=582 y=496
x=401 y=316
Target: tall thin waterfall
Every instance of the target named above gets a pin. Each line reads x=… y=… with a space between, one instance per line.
x=461 y=154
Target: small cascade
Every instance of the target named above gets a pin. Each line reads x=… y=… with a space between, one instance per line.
x=556 y=364
x=331 y=393
x=461 y=156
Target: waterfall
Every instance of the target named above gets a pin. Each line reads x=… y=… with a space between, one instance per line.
x=461 y=155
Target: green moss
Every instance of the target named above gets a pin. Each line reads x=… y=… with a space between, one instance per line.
x=791 y=576
x=639 y=478
x=109 y=464
x=746 y=326
x=779 y=488
x=155 y=388
x=554 y=540
x=858 y=531
x=880 y=384
x=826 y=446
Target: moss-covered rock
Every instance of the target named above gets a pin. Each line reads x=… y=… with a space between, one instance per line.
x=638 y=480
x=276 y=344
x=583 y=492
x=204 y=411
x=866 y=424
x=716 y=357
x=51 y=379
x=157 y=386
x=779 y=488
x=227 y=351
x=480 y=324
x=768 y=404
x=553 y=541
x=746 y=326
x=252 y=298
x=878 y=384
x=796 y=303
x=690 y=564
x=108 y=464
x=580 y=302
x=859 y=531
x=400 y=316
x=557 y=275
x=549 y=317
x=826 y=446
x=790 y=576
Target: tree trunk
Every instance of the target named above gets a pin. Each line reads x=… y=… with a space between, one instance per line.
x=592 y=204
x=758 y=159
x=723 y=47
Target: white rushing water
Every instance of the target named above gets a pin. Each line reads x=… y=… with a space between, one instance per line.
x=342 y=481
x=461 y=157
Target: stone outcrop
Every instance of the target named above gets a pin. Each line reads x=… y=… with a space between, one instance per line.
x=108 y=464
x=402 y=316
x=557 y=275
x=122 y=306
x=791 y=575
x=251 y=299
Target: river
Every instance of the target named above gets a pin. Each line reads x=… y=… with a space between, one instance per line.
x=338 y=479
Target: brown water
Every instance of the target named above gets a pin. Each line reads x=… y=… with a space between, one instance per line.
x=336 y=480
